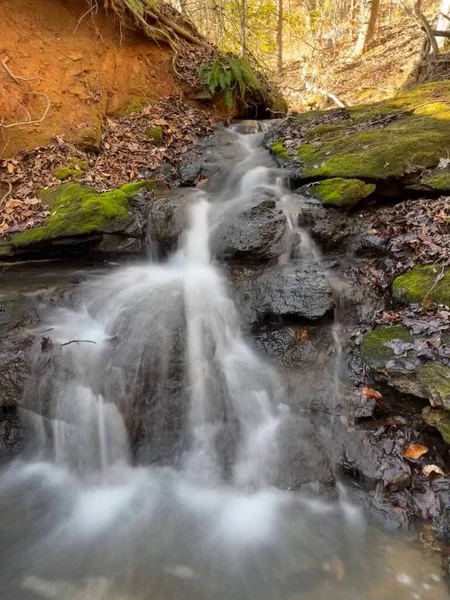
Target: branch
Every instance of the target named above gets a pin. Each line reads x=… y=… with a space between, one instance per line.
x=445 y=34
x=335 y=99
x=78 y=342
x=47 y=108
x=8 y=193
x=416 y=14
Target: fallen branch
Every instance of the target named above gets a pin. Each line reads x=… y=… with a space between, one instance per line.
x=35 y=121
x=16 y=78
x=8 y=193
x=78 y=342
x=311 y=88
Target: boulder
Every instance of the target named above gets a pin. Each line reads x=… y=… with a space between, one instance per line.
x=423 y=282
x=286 y=293
x=341 y=193
x=167 y=219
x=255 y=234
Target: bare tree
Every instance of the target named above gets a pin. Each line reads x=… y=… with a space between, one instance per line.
x=370 y=14
x=279 y=36
x=443 y=22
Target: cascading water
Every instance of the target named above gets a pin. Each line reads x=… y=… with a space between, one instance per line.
x=157 y=351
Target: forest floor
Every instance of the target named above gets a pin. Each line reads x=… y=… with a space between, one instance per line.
x=384 y=69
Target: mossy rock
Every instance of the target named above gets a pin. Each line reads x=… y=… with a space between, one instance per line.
x=342 y=193
x=435 y=380
x=279 y=149
x=413 y=138
x=439 y=180
x=131 y=189
x=440 y=419
x=90 y=138
x=422 y=283
x=6 y=249
x=74 y=168
x=155 y=135
x=373 y=348
x=77 y=210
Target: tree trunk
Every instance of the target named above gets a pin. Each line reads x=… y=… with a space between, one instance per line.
x=443 y=23
x=368 y=26
x=279 y=36
x=243 y=24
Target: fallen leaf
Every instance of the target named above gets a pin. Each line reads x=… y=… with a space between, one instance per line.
x=304 y=335
x=32 y=201
x=370 y=393
x=415 y=451
x=429 y=469
x=10 y=168
x=426 y=303
x=372 y=231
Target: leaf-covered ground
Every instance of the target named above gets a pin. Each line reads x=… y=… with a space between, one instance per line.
x=127 y=149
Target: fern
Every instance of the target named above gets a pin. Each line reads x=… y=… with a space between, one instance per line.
x=232 y=77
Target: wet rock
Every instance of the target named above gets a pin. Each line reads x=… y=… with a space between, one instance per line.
x=167 y=219
x=11 y=434
x=285 y=293
x=255 y=234
x=14 y=367
x=17 y=311
x=303 y=462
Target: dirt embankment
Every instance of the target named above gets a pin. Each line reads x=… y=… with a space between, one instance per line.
x=81 y=66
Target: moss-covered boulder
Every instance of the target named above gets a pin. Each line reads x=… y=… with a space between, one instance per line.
x=423 y=282
x=439 y=180
x=342 y=193
x=391 y=355
x=397 y=139
x=77 y=210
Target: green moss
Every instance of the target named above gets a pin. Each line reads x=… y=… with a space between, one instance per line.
x=134 y=105
x=435 y=379
x=372 y=346
x=405 y=146
x=75 y=167
x=421 y=282
x=155 y=135
x=326 y=128
x=76 y=210
x=279 y=148
x=89 y=139
x=130 y=189
x=343 y=193
x=440 y=180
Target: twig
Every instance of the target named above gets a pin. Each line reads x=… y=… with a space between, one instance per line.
x=19 y=123
x=78 y=342
x=8 y=193
x=436 y=281
x=15 y=78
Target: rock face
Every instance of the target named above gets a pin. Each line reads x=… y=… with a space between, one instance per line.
x=285 y=293
x=167 y=219
x=256 y=234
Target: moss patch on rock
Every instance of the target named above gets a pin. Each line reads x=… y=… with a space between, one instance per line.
x=389 y=140
x=439 y=180
x=435 y=380
x=440 y=419
x=77 y=210
x=75 y=167
x=423 y=282
x=342 y=193
x=155 y=135
x=372 y=346
x=279 y=149
x=130 y=189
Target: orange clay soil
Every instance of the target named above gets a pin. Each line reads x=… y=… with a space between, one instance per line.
x=86 y=67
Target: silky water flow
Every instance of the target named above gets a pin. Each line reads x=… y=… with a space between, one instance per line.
x=194 y=512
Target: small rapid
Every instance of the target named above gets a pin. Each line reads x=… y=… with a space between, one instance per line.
x=156 y=471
